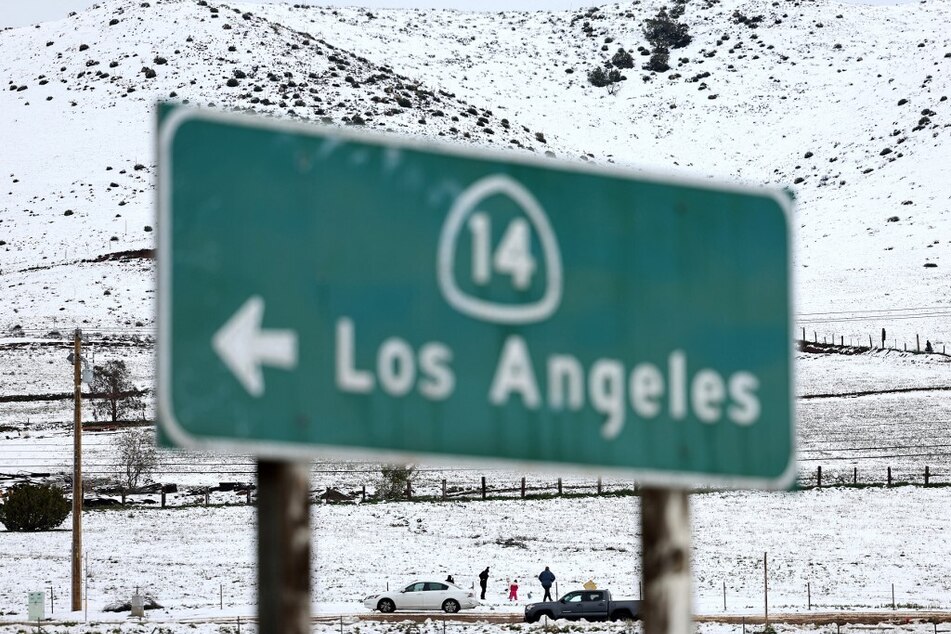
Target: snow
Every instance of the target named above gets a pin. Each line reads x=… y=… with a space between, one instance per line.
x=850 y=546
x=77 y=168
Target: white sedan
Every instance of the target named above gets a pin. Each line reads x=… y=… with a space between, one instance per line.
x=423 y=595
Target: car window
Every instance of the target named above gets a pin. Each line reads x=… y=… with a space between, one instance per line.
x=594 y=596
x=574 y=597
x=415 y=587
x=436 y=586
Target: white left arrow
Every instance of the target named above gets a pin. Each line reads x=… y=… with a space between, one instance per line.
x=245 y=347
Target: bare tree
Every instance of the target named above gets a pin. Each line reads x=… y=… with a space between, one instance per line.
x=115 y=396
x=136 y=457
x=393 y=481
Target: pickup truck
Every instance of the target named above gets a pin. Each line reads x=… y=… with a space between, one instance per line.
x=592 y=605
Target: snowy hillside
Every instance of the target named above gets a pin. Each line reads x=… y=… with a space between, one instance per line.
x=845 y=104
x=78 y=159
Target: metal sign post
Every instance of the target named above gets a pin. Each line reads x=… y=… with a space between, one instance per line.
x=665 y=558
x=283 y=547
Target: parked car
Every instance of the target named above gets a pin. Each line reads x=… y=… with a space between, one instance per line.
x=423 y=595
x=592 y=605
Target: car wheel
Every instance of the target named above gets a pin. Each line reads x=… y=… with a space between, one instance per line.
x=386 y=605
x=450 y=606
x=621 y=615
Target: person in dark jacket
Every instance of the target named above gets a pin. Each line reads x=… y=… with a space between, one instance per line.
x=547 y=577
x=484 y=580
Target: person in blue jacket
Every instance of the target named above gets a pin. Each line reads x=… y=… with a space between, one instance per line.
x=547 y=577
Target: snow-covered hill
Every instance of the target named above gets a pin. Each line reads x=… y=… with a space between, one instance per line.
x=845 y=104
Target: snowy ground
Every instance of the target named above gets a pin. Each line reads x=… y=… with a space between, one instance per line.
x=849 y=545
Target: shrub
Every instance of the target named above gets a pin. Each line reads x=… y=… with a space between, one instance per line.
x=34 y=507
x=658 y=61
x=598 y=77
x=622 y=59
x=393 y=481
x=662 y=31
x=601 y=77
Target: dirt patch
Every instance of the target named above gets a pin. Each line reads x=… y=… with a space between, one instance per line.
x=120 y=256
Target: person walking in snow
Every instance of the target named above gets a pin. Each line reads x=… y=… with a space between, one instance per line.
x=513 y=591
x=547 y=577
x=449 y=579
x=484 y=580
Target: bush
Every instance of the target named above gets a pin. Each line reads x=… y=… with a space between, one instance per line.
x=393 y=481
x=622 y=59
x=662 y=31
x=658 y=62
x=34 y=507
x=600 y=77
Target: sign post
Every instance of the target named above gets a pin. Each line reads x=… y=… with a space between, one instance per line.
x=325 y=291
x=36 y=606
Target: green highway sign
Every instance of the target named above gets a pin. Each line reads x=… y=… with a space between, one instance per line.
x=323 y=290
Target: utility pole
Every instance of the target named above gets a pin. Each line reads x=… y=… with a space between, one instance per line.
x=77 y=554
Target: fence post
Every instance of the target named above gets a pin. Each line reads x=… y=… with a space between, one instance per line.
x=599 y=485
x=809 y=595
x=409 y=490
x=815 y=337
x=559 y=486
x=724 y=596
x=206 y=497
x=893 y=596
x=803 y=333
x=855 y=475
x=483 y=487
x=363 y=493
x=444 y=489
x=927 y=475
x=819 y=477
x=918 y=341
x=841 y=340
x=889 y=476
x=163 y=497
x=870 y=341
x=523 y=486
x=247 y=496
